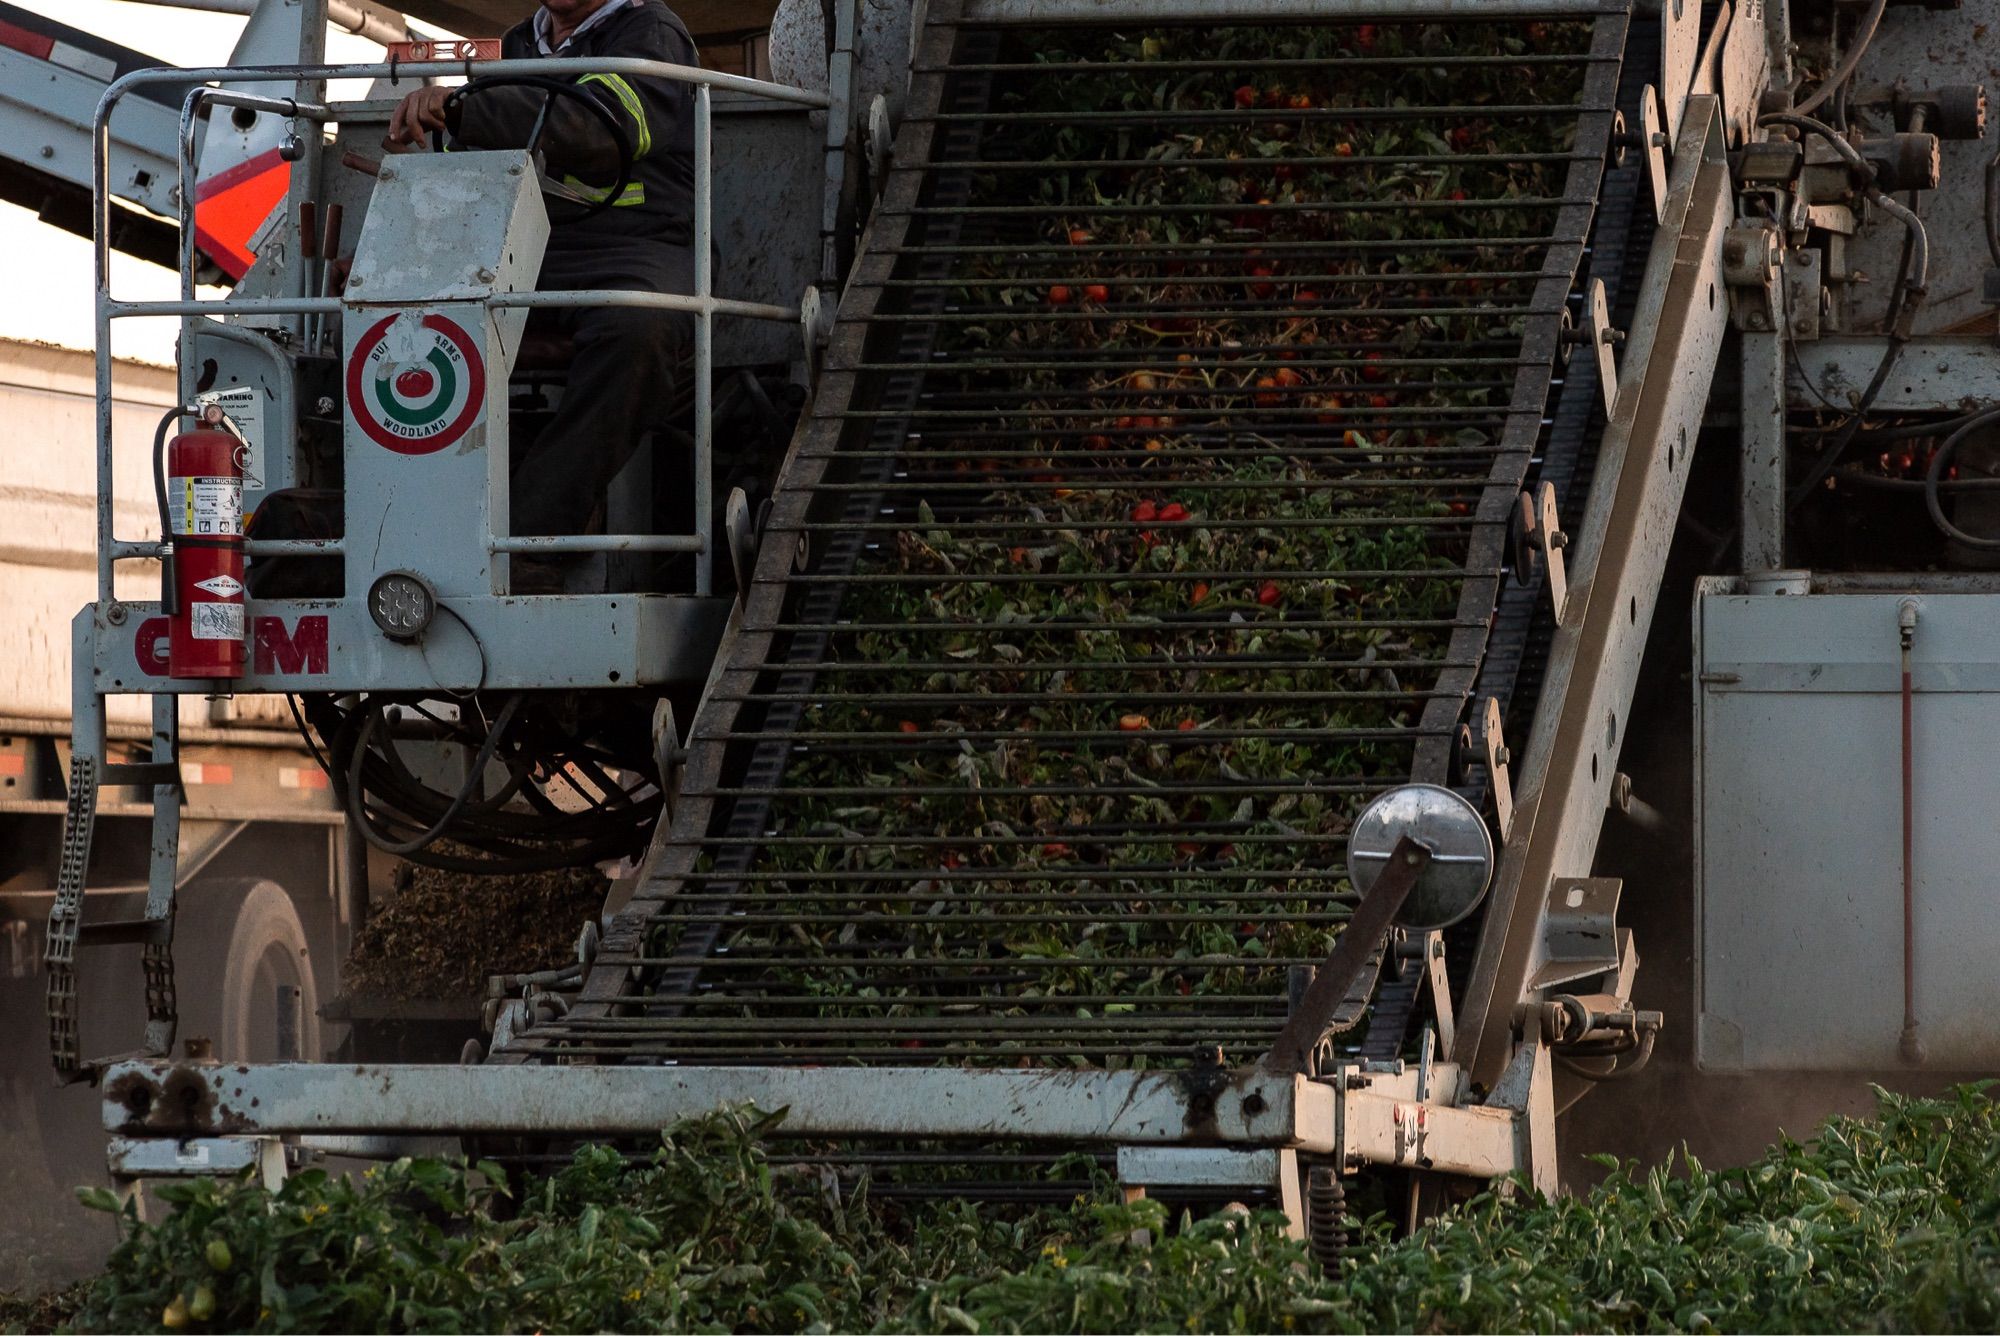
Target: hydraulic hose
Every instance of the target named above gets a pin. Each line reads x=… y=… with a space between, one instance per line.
x=1934 y=477
x=1912 y=283
x=474 y=774
x=1863 y=35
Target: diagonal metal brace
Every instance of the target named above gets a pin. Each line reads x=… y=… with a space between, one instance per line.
x=1359 y=943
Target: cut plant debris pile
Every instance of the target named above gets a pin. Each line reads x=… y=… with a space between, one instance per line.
x=444 y=933
x=1884 y=1223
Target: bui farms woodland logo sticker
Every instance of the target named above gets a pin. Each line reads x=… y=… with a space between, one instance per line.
x=416 y=384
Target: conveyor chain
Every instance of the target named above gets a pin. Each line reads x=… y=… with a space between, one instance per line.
x=1153 y=512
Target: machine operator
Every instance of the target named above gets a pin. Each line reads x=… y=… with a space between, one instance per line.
x=626 y=359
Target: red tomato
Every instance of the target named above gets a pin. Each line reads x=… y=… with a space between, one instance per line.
x=1246 y=96
x=1268 y=593
x=1173 y=513
x=1098 y=293
x=1145 y=512
x=1059 y=295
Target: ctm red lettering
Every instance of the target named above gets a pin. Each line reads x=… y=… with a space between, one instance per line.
x=303 y=652
x=297 y=653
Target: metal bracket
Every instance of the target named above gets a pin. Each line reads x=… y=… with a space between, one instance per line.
x=1743 y=70
x=741 y=535
x=1653 y=144
x=881 y=141
x=1580 y=930
x=1805 y=293
x=1526 y=1088
x=1543 y=541
x=667 y=752
x=1680 y=46
x=1498 y=776
x=1750 y=269
x=1446 y=1031
x=1603 y=338
x=1274 y=1170
x=815 y=327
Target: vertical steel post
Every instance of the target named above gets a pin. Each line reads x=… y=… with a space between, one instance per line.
x=704 y=345
x=184 y=204
x=1762 y=477
x=163 y=872
x=100 y=227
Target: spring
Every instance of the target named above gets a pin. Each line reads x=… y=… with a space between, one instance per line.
x=1326 y=1215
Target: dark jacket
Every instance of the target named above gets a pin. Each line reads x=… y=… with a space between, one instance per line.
x=656 y=209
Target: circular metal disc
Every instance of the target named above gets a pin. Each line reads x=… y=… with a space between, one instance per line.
x=1453 y=884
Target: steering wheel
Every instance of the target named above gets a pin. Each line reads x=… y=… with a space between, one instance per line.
x=556 y=88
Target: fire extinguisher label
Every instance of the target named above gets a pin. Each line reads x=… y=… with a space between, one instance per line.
x=215 y=621
x=222 y=586
x=212 y=506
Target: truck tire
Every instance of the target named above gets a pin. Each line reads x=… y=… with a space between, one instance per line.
x=248 y=938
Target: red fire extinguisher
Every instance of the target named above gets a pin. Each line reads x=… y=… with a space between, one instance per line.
x=203 y=501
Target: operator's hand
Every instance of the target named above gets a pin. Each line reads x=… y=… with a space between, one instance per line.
x=416 y=116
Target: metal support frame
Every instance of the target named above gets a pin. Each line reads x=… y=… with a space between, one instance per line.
x=1131 y=1108
x=637 y=645
x=1387 y=1118
x=1934 y=374
x=1618 y=557
x=703 y=303
x=1762 y=477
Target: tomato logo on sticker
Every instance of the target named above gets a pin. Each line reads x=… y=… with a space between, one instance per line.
x=416 y=384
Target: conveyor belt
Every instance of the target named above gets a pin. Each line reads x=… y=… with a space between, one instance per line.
x=1086 y=620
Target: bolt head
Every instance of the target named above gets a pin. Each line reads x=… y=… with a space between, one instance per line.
x=115 y=614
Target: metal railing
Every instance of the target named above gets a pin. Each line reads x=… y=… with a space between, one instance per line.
x=703 y=304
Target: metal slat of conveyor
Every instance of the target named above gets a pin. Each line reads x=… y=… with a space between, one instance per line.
x=987 y=778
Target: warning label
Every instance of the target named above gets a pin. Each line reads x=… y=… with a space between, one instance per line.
x=222 y=586
x=215 y=621
x=211 y=506
x=245 y=406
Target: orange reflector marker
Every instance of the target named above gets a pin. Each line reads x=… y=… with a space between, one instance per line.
x=301 y=777
x=35 y=44
x=13 y=765
x=232 y=205
x=196 y=772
